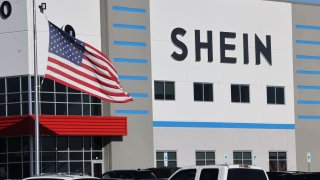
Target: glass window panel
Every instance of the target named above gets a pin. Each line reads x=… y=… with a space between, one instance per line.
x=73 y=90
x=75 y=143
x=14 y=144
x=271 y=96
x=61 y=97
x=2 y=110
x=200 y=155
x=61 y=156
x=200 y=163
x=172 y=156
x=273 y=166
x=3 y=147
x=282 y=165
x=74 y=97
x=13 y=84
x=48 y=156
x=87 y=168
x=25 y=108
x=25 y=144
x=87 y=143
x=60 y=87
x=209 y=174
x=26 y=156
x=208 y=92
x=160 y=164
x=76 y=156
x=14 y=157
x=210 y=155
x=3 y=171
x=158 y=90
x=2 y=99
x=74 y=109
x=237 y=155
x=48 y=85
x=249 y=162
x=13 y=97
x=61 y=109
x=246 y=155
x=87 y=155
x=47 y=108
x=198 y=91
x=245 y=94
x=96 y=155
x=95 y=100
x=172 y=164
x=280 y=95
x=210 y=162
x=95 y=109
x=62 y=143
x=24 y=83
x=47 y=97
x=235 y=93
x=3 y=158
x=159 y=156
x=282 y=155
x=48 y=143
x=14 y=109
x=85 y=98
x=76 y=167
x=62 y=167
x=13 y=173
x=25 y=96
x=272 y=155
x=2 y=85
x=169 y=91
x=26 y=170
x=97 y=143
x=48 y=167
x=237 y=161
x=86 y=109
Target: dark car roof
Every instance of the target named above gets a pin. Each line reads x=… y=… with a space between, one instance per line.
x=129 y=174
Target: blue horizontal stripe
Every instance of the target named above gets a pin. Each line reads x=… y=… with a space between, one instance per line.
x=305 y=1
x=139 y=95
x=138 y=112
x=307 y=117
x=308 y=42
x=308 y=87
x=127 y=60
x=122 y=77
x=221 y=125
x=129 y=26
x=308 y=57
x=129 y=43
x=128 y=9
x=308 y=102
x=308 y=27
x=308 y=72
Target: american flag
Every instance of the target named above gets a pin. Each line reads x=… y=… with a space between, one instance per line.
x=80 y=66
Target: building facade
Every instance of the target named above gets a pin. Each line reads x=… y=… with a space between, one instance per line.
x=213 y=82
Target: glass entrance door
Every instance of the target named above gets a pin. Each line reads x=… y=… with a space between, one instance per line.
x=96 y=168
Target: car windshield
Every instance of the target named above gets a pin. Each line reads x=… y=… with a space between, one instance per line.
x=246 y=174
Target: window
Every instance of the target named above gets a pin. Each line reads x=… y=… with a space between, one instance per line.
x=242 y=157
x=209 y=174
x=164 y=90
x=203 y=91
x=275 y=95
x=240 y=93
x=278 y=161
x=166 y=159
x=205 y=157
x=187 y=174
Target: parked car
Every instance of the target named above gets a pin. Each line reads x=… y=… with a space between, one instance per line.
x=289 y=175
x=61 y=176
x=129 y=174
x=220 y=172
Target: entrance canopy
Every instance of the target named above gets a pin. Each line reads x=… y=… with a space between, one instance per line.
x=64 y=125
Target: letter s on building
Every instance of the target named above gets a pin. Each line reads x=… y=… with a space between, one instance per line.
x=5 y=9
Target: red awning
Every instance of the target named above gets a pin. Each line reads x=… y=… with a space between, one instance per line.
x=64 y=125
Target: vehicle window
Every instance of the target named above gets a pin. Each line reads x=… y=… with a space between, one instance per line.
x=209 y=174
x=188 y=174
x=246 y=174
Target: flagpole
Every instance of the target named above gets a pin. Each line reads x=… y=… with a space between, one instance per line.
x=36 y=112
